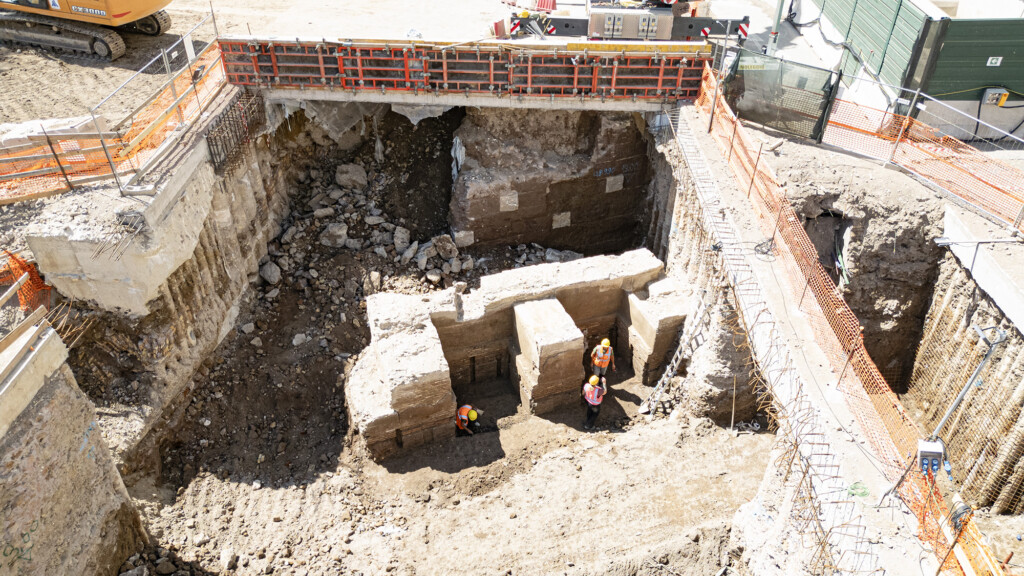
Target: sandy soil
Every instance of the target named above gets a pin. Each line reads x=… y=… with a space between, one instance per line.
x=883 y=223
x=38 y=84
x=539 y=496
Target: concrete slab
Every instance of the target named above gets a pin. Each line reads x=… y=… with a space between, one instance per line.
x=998 y=268
x=29 y=372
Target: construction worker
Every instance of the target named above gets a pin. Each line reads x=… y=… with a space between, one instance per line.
x=593 y=391
x=466 y=420
x=601 y=356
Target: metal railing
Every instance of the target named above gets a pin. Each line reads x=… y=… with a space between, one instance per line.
x=498 y=69
x=47 y=164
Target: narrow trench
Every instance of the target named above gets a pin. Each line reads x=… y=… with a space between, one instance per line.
x=829 y=233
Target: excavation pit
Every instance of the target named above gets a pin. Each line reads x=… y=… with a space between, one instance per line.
x=428 y=355
x=249 y=376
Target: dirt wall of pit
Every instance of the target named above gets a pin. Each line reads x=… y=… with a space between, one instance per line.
x=873 y=230
x=987 y=441
x=162 y=307
x=63 y=506
x=717 y=381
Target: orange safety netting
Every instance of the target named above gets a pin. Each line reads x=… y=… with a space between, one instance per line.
x=890 y=432
x=45 y=166
x=34 y=293
x=957 y=167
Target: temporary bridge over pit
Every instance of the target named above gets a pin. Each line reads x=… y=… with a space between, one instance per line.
x=633 y=76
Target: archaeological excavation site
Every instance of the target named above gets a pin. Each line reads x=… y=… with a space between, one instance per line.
x=315 y=307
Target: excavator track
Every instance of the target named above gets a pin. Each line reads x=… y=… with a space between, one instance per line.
x=60 y=35
x=153 y=25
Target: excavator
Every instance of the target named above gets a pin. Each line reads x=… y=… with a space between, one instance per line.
x=82 y=27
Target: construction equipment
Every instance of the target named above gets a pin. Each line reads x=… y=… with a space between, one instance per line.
x=624 y=20
x=82 y=27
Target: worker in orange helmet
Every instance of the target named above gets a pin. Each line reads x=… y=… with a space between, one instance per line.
x=601 y=356
x=593 y=392
x=466 y=420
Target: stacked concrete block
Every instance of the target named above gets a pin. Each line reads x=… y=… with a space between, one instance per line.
x=549 y=364
x=654 y=323
x=577 y=180
x=400 y=392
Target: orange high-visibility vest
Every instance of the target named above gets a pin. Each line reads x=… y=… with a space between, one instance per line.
x=462 y=417
x=601 y=359
x=593 y=394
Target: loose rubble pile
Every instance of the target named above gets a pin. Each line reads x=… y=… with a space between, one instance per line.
x=268 y=408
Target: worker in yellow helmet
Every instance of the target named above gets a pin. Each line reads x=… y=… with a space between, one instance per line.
x=466 y=420
x=601 y=356
x=593 y=392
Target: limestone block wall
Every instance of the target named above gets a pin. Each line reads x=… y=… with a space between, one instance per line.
x=63 y=506
x=477 y=351
x=550 y=349
x=400 y=393
x=655 y=318
x=569 y=180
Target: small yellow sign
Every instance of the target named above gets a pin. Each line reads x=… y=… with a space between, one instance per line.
x=645 y=47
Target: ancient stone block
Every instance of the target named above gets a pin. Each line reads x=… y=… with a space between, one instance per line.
x=550 y=362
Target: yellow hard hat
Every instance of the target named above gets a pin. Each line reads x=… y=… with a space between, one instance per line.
x=594 y=380
x=606 y=342
x=472 y=415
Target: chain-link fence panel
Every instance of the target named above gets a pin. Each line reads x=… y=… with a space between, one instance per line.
x=786 y=96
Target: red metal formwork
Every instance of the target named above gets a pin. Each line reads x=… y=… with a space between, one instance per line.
x=474 y=68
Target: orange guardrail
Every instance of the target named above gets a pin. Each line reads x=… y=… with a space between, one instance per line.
x=890 y=432
x=34 y=292
x=46 y=165
x=479 y=68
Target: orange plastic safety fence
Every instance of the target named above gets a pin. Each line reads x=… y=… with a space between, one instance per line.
x=890 y=432
x=34 y=293
x=961 y=169
x=34 y=169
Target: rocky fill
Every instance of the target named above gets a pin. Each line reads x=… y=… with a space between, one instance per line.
x=267 y=408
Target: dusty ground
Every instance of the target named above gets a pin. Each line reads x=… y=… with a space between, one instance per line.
x=263 y=451
x=1006 y=534
x=882 y=222
x=537 y=497
x=38 y=84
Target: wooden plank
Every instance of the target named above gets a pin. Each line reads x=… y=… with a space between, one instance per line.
x=637 y=48
x=28 y=322
x=5 y=371
x=13 y=289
